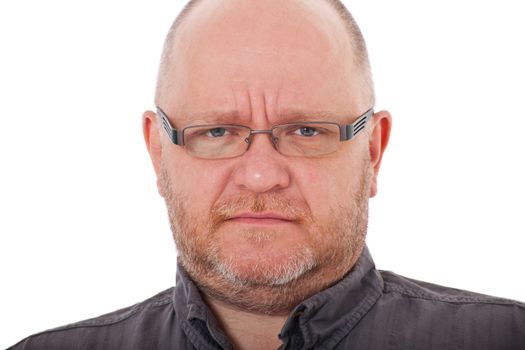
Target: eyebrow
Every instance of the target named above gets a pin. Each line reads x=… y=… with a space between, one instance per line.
x=293 y=115
x=233 y=116
x=210 y=117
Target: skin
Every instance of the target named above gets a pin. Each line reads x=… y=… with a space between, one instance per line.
x=249 y=63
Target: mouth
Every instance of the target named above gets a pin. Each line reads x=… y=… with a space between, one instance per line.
x=260 y=219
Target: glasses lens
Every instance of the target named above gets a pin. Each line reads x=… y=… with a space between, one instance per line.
x=307 y=139
x=216 y=141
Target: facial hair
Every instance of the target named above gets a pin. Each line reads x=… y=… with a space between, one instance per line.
x=267 y=288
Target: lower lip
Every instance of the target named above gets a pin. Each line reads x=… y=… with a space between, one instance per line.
x=259 y=221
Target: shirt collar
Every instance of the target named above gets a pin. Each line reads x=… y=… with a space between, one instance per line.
x=195 y=316
x=326 y=317
x=320 y=320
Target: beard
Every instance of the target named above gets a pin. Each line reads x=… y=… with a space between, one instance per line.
x=272 y=286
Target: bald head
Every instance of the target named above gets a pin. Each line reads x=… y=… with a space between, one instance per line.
x=331 y=14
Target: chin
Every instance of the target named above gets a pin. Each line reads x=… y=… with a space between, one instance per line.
x=264 y=267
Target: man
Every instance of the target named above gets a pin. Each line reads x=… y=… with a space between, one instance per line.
x=266 y=150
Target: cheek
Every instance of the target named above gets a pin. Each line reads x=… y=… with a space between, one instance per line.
x=327 y=186
x=318 y=186
x=199 y=182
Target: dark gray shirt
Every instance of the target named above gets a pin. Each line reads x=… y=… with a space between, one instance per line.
x=368 y=309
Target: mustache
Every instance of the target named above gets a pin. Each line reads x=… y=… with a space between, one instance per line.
x=227 y=208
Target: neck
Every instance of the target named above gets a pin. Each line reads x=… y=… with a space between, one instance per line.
x=247 y=330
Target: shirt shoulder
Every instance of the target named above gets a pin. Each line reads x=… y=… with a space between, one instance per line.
x=456 y=318
x=117 y=329
x=412 y=314
x=412 y=288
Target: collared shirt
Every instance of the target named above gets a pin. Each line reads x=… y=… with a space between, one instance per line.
x=367 y=309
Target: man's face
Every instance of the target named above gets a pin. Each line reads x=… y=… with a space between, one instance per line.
x=249 y=226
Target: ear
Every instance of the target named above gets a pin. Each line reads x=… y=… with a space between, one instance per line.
x=381 y=123
x=150 y=129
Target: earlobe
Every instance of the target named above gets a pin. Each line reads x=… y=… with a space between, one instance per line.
x=152 y=139
x=381 y=125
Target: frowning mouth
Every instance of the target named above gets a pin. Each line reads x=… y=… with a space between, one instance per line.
x=260 y=218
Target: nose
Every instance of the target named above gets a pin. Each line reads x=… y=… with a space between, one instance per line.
x=261 y=169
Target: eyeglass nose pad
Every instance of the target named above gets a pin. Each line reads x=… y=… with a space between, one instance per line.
x=273 y=139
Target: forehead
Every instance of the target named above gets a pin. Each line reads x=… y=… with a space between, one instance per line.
x=228 y=53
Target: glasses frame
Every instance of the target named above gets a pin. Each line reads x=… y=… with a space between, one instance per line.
x=346 y=131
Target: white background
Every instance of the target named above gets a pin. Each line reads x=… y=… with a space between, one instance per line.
x=84 y=232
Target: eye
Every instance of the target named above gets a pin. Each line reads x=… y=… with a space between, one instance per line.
x=217 y=132
x=306 y=131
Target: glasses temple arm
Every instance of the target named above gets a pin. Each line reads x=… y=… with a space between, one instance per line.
x=350 y=130
x=172 y=133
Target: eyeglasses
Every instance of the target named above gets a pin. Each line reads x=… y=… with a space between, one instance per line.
x=298 y=139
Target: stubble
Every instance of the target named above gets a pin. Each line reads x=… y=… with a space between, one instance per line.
x=264 y=287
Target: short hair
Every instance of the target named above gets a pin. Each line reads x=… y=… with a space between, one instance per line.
x=360 y=54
